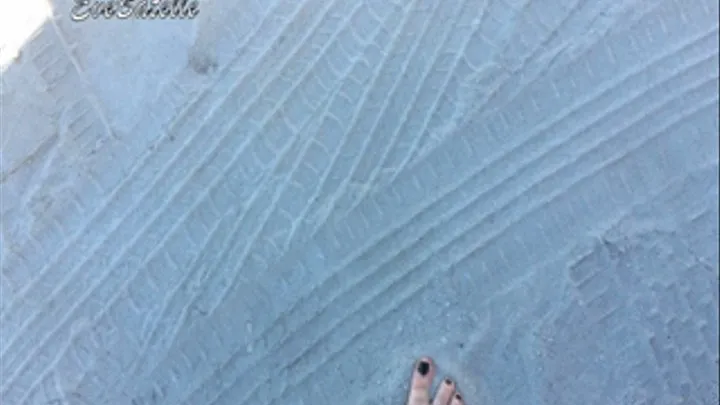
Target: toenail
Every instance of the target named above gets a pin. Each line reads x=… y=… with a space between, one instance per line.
x=423 y=367
x=448 y=381
x=458 y=397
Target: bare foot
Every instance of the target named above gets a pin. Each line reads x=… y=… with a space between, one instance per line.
x=421 y=382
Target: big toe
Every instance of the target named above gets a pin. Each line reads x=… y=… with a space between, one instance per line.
x=421 y=382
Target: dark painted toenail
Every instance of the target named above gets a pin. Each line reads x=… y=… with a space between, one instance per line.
x=423 y=367
x=458 y=397
x=448 y=381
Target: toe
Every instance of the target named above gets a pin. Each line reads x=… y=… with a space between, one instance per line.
x=457 y=399
x=421 y=382
x=445 y=392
